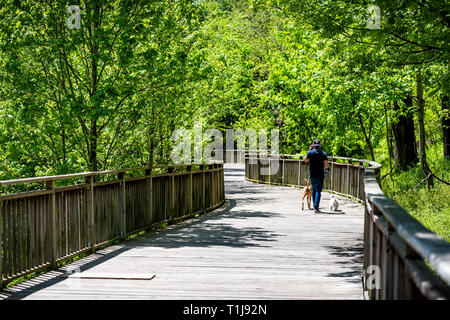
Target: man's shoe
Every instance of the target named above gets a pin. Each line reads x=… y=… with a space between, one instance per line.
x=316 y=211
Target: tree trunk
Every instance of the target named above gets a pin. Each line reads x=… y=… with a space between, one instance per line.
x=420 y=113
x=161 y=146
x=63 y=142
x=93 y=146
x=151 y=146
x=389 y=141
x=93 y=159
x=388 y=137
x=404 y=135
x=367 y=138
x=446 y=126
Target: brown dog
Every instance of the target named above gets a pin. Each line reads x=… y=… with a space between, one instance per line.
x=306 y=193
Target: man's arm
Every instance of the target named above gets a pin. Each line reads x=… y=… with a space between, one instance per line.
x=325 y=164
x=307 y=157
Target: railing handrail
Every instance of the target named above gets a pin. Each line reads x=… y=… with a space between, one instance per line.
x=372 y=164
x=93 y=173
x=427 y=244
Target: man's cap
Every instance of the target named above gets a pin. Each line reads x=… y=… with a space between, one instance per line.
x=316 y=143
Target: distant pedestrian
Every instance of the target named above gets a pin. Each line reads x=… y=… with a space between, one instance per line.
x=318 y=168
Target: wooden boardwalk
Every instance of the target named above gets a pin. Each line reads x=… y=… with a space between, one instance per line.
x=259 y=245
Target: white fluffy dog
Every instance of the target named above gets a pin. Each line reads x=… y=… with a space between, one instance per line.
x=334 y=203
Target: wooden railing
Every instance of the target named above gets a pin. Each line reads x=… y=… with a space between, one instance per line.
x=39 y=229
x=398 y=250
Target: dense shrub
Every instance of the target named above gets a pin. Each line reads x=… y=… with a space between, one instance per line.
x=431 y=207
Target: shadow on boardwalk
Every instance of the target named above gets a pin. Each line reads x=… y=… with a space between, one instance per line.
x=201 y=232
x=209 y=231
x=351 y=257
x=51 y=278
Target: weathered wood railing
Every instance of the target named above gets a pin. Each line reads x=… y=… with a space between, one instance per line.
x=396 y=246
x=39 y=229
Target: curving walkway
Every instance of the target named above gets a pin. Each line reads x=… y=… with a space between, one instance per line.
x=259 y=245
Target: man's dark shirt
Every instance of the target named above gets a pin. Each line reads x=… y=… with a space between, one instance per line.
x=316 y=159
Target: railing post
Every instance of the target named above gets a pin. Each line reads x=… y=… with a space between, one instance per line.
x=410 y=286
x=172 y=193
x=168 y=205
x=349 y=161
x=213 y=182
x=256 y=168
x=379 y=251
x=123 y=209
x=365 y=248
x=91 y=209
x=222 y=182
x=369 y=250
x=332 y=174
x=202 y=169
x=191 y=193
x=383 y=265
x=270 y=169
x=388 y=280
x=50 y=185
x=361 y=164
x=148 y=173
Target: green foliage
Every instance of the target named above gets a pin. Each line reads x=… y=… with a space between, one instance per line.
x=75 y=100
x=110 y=94
x=430 y=207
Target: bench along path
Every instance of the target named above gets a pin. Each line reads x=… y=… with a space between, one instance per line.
x=258 y=245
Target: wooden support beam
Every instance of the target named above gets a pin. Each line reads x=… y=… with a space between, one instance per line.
x=171 y=194
x=383 y=265
x=360 y=181
x=50 y=185
x=332 y=174
x=173 y=212
x=148 y=173
x=191 y=189
x=371 y=249
x=202 y=169
x=91 y=211
x=123 y=203
x=347 y=190
x=270 y=170
x=395 y=278
x=213 y=185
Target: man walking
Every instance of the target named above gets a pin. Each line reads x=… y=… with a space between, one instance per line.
x=318 y=168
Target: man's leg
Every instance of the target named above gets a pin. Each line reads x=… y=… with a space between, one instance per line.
x=319 y=186
x=314 y=185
